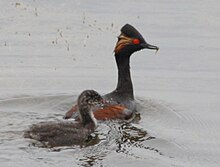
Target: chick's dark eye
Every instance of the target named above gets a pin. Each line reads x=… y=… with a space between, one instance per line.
x=136 y=41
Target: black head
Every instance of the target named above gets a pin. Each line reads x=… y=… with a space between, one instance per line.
x=130 y=40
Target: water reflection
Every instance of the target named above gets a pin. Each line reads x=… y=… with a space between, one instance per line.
x=132 y=136
x=120 y=138
x=88 y=161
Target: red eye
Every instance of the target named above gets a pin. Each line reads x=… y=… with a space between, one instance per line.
x=136 y=41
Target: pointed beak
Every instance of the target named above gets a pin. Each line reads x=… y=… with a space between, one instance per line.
x=148 y=46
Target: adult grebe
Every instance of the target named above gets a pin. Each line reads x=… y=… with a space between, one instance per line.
x=120 y=103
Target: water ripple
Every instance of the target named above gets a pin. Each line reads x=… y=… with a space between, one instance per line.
x=158 y=133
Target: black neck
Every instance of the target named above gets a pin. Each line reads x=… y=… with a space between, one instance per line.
x=124 y=86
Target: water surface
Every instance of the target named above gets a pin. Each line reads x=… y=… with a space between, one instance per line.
x=51 y=51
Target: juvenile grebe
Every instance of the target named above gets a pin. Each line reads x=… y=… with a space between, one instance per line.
x=120 y=103
x=53 y=134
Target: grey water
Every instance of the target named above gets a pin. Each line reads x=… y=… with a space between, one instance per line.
x=52 y=50
x=111 y=139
